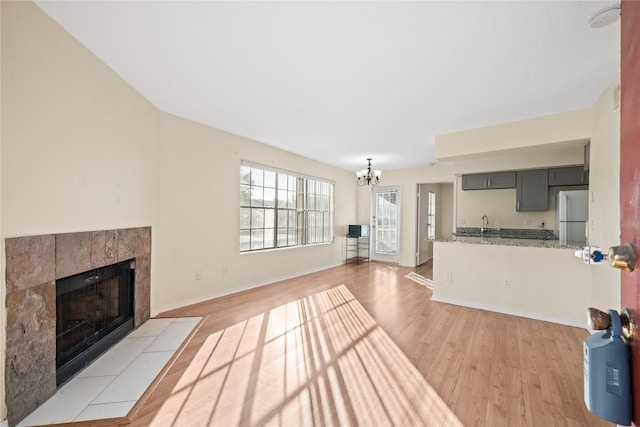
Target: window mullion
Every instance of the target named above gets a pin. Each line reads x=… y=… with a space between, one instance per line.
x=278 y=209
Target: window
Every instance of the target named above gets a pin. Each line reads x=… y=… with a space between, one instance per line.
x=431 y=216
x=280 y=209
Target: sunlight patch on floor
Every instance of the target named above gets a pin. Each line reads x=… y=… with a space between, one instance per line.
x=412 y=275
x=321 y=360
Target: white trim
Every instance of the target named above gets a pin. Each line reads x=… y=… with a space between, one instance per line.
x=397 y=258
x=214 y=295
x=527 y=315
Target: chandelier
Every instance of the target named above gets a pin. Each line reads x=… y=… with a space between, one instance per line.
x=368 y=176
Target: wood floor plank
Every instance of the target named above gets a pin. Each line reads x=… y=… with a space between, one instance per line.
x=297 y=353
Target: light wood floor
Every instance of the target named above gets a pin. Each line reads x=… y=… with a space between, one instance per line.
x=426 y=269
x=479 y=367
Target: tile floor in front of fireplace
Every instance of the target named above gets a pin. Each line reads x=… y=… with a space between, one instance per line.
x=112 y=384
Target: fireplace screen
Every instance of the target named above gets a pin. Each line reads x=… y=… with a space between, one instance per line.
x=93 y=311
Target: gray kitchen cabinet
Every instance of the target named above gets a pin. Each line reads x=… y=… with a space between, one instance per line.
x=476 y=181
x=532 y=190
x=570 y=175
x=502 y=180
x=489 y=181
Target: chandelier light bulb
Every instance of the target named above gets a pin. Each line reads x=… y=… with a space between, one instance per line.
x=368 y=176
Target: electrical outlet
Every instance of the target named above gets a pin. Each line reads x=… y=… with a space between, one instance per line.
x=506 y=283
x=197 y=275
x=225 y=270
x=448 y=277
x=527 y=221
x=463 y=221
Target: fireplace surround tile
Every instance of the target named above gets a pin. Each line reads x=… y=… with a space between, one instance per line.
x=31 y=348
x=73 y=254
x=133 y=242
x=142 y=292
x=30 y=261
x=111 y=246
x=33 y=263
x=30 y=310
x=104 y=248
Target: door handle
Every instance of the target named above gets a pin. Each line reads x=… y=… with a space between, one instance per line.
x=599 y=320
x=622 y=257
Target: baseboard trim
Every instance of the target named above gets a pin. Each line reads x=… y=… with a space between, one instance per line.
x=196 y=300
x=501 y=310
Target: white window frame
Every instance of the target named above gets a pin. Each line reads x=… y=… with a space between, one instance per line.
x=431 y=216
x=281 y=209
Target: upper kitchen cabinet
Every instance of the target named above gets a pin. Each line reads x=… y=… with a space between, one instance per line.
x=489 y=181
x=532 y=190
x=572 y=175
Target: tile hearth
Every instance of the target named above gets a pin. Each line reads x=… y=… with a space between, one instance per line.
x=33 y=266
x=112 y=384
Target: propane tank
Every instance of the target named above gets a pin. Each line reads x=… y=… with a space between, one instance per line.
x=607 y=374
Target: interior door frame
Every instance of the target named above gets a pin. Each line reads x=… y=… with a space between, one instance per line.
x=439 y=202
x=382 y=257
x=421 y=219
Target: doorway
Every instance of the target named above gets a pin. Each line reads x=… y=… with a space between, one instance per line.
x=385 y=236
x=435 y=219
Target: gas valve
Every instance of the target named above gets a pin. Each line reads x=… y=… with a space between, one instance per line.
x=591 y=255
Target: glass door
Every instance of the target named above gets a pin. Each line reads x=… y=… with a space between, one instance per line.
x=385 y=236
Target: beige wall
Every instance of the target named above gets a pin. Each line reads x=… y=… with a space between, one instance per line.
x=199 y=220
x=79 y=146
x=573 y=285
x=536 y=133
x=604 y=188
x=543 y=283
x=597 y=283
x=446 y=210
x=81 y=150
x=363 y=204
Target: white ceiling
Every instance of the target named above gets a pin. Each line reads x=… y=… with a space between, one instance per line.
x=342 y=81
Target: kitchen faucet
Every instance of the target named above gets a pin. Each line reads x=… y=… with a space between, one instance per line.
x=485 y=223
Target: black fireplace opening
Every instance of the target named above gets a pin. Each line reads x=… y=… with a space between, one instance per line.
x=94 y=310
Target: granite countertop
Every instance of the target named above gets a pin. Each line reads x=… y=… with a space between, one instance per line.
x=533 y=243
x=510 y=237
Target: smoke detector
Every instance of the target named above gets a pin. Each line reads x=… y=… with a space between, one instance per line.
x=605 y=16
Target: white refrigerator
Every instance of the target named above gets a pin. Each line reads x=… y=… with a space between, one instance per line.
x=573 y=214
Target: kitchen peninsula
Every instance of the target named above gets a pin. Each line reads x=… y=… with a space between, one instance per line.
x=513 y=276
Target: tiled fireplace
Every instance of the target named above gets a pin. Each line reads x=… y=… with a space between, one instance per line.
x=33 y=264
